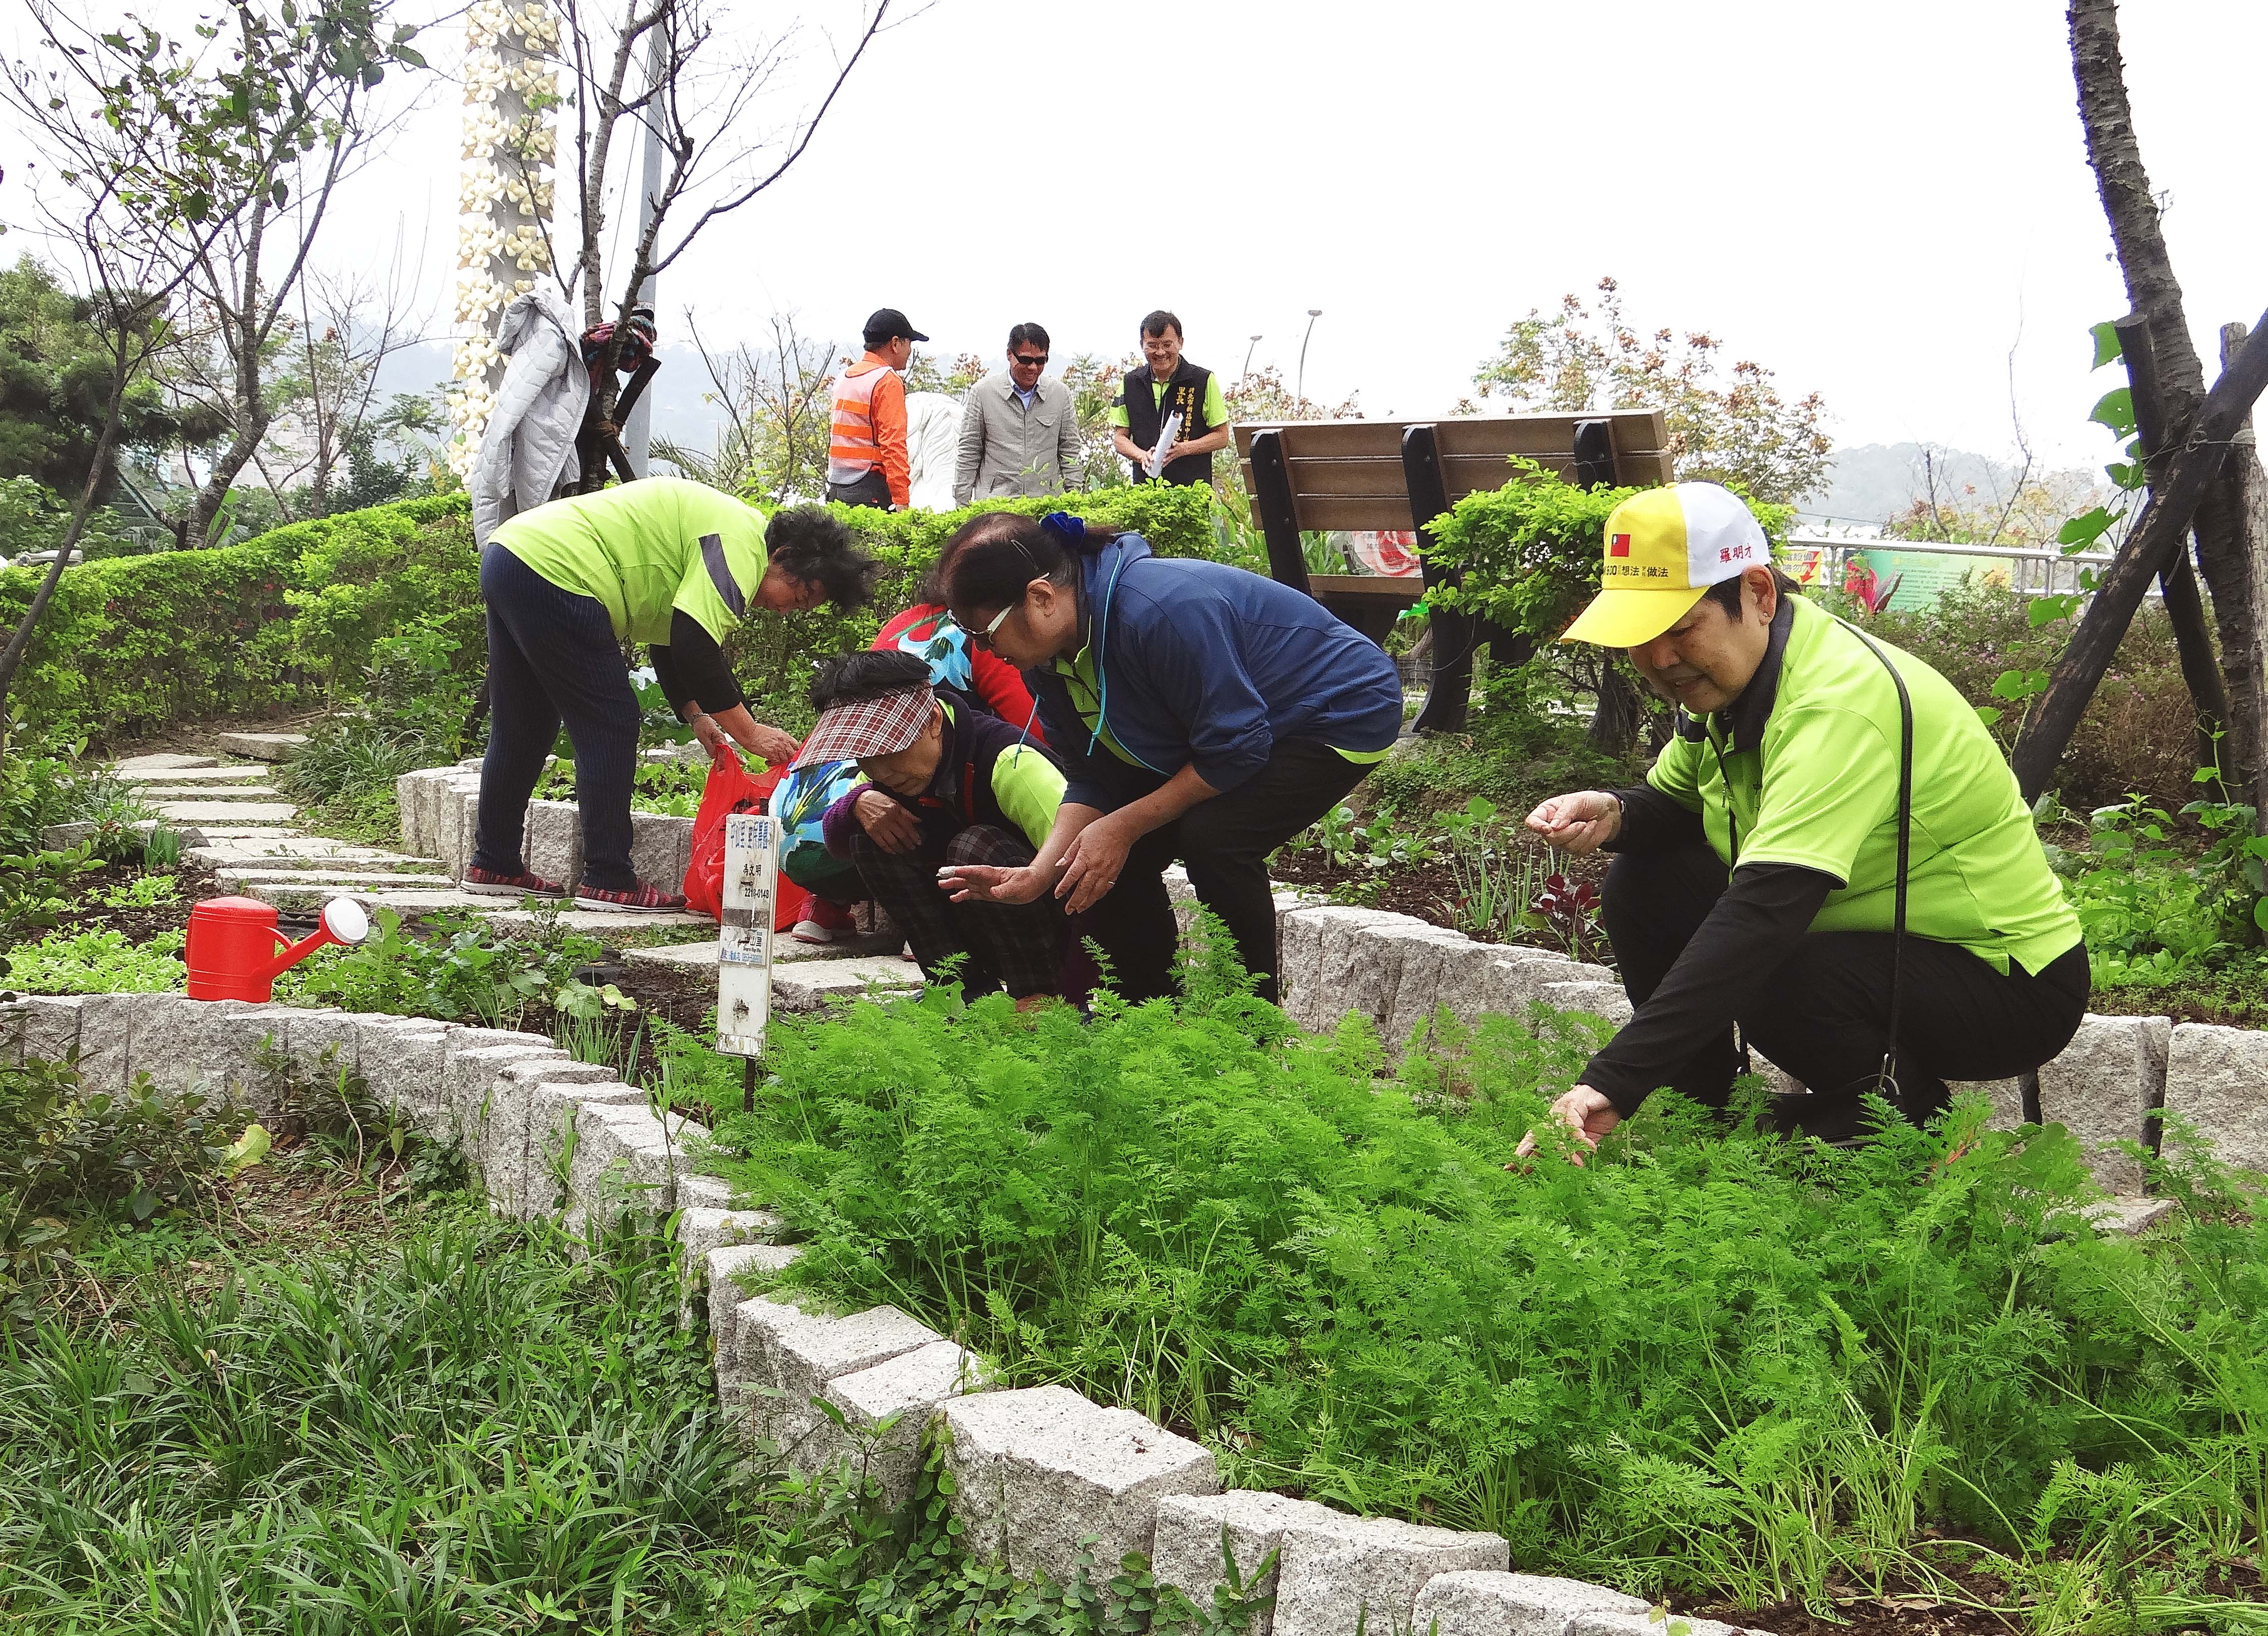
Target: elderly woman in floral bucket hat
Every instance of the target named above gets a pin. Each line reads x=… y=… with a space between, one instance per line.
x=946 y=785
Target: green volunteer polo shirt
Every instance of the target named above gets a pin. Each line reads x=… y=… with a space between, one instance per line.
x=1028 y=787
x=645 y=549
x=1806 y=773
x=1216 y=405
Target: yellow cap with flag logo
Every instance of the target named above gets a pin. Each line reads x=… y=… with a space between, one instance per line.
x=1664 y=548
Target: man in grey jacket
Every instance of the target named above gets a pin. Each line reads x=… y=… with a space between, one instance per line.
x=1019 y=433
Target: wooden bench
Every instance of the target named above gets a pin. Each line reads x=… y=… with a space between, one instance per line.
x=1326 y=475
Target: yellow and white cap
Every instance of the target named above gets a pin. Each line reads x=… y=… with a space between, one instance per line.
x=1664 y=548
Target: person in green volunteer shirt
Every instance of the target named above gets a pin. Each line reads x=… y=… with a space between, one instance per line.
x=1172 y=385
x=674 y=565
x=1755 y=871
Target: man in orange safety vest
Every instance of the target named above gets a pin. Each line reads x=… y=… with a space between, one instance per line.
x=867 y=463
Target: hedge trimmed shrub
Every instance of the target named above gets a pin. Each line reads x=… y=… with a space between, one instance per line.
x=1531 y=551
x=290 y=619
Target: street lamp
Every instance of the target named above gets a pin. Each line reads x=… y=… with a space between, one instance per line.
x=1300 y=390
x=1247 y=375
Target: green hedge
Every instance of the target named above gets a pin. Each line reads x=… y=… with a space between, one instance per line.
x=290 y=619
x=132 y=644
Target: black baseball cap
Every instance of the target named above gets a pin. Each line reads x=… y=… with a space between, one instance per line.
x=889 y=324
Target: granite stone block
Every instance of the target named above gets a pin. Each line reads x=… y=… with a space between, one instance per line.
x=2217 y=1081
x=551 y=1111
x=553 y=845
x=2104 y=1087
x=1367 y=1571
x=884 y=1408
x=1195 y=1530
x=39 y=1027
x=1478 y=1602
x=1041 y=1470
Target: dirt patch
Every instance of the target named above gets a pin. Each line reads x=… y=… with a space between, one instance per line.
x=1976 y=1604
x=85 y=911
x=1429 y=892
x=300 y=1205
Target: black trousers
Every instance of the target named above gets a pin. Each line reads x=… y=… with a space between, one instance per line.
x=1223 y=844
x=553 y=658
x=1824 y=1014
x=1012 y=945
x=871 y=489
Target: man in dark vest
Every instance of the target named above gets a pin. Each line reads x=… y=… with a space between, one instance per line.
x=1173 y=390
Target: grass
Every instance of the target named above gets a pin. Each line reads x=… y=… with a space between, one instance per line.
x=480 y=1431
x=1707 y=1362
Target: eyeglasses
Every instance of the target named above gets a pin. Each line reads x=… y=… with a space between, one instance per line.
x=983 y=639
x=1039 y=362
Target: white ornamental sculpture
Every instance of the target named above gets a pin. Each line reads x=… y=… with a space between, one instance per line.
x=504 y=201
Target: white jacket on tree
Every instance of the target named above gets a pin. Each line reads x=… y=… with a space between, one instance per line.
x=529 y=449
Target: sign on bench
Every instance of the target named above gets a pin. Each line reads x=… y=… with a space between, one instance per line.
x=1322 y=475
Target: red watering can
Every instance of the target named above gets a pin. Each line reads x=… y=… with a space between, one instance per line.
x=232 y=951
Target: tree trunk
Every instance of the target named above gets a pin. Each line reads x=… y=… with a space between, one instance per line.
x=2184 y=612
x=1614 y=724
x=2225 y=555
x=106 y=443
x=2158 y=536
x=2244 y=500
x=248 y=417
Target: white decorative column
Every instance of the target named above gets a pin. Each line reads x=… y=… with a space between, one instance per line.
x=512 y=88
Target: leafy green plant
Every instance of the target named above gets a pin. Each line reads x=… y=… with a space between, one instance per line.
x=455 y=966
x=102 y=962
x=353 y=757
x=35 y=889
x=144 y=891
x=1529 y=554
x=72 y=1161
x=1706 y=1360
x=161 y=849
x=671 y=787
x=331 y=1106
x=40 y=791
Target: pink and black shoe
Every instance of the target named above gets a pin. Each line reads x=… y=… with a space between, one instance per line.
x=489 y=883
x=641 y=900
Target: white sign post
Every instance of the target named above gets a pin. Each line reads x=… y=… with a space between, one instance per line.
x=744 y=940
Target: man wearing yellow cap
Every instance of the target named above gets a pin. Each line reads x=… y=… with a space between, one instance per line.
x=1756 y=878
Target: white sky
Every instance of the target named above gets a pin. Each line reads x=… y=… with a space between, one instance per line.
x=1877 y=202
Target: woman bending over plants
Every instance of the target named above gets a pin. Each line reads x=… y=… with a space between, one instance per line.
x=1201 y=712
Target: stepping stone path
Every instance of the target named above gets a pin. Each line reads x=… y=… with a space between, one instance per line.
x=237 y=824
x=263 y=746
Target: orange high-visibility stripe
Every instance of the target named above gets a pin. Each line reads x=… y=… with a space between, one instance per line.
x=851 y=451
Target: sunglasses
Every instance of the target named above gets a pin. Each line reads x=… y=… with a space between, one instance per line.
x=1039 y=362
x=983 y=639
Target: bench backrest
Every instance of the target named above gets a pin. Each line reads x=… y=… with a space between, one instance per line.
x=1350 y=474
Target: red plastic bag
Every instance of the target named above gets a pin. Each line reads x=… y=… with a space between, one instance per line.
x=731 y=790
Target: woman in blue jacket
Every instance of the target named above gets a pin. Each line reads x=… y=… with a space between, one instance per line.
x=1201 y=712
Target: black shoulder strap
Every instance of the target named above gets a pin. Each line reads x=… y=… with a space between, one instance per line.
x=1905 y=850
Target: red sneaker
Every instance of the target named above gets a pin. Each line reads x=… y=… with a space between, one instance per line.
x=488 y=883
x=643 y=900
x=825 y=921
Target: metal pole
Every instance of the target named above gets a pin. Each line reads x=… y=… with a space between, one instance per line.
x=1240 y=379
x=1299 y=391
x=637 y=430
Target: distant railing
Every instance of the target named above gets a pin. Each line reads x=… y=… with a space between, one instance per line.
x=1915 y=570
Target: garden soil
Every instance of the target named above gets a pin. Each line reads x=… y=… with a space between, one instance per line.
x=1428 y=891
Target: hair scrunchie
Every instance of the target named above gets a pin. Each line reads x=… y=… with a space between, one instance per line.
x=1072 y=529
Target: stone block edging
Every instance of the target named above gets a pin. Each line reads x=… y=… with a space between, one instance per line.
x=1038 y=1471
